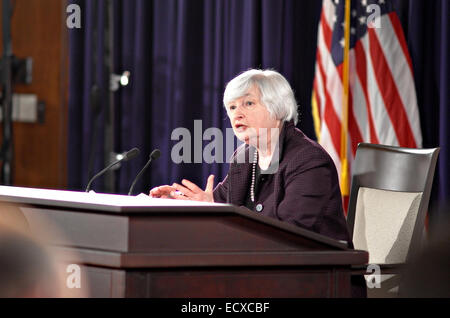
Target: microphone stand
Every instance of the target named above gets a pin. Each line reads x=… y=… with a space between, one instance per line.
x=126 y=156
x=153 y=156
x=88 y=187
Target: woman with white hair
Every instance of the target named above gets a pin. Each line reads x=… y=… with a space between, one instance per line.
x=278 y=171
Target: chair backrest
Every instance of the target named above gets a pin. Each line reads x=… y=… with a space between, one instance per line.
x=389 y=198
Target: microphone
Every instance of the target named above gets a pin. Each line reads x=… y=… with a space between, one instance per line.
x=125 y=156
x=153 y=156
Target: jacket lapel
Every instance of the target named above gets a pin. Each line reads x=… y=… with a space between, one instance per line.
x=240 y=174
x=240 y=168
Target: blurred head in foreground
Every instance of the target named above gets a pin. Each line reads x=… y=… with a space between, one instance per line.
x=428 y=274
x=28 y=267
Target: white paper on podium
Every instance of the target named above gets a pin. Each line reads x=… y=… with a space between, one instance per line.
x=27 y=195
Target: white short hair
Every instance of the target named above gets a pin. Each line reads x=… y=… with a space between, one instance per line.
x=276 y=93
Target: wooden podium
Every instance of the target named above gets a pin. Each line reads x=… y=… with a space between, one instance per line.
x=143 y=247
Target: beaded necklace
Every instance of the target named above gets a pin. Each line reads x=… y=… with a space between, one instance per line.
x=252 y=187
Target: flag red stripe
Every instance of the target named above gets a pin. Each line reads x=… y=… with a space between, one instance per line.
x=326 y=31
x=361 y=70
x=330 y=116
x=389 y=92
x=353 y=128
x=401 y=38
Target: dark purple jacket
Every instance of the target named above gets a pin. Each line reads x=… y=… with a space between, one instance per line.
x=305 y=187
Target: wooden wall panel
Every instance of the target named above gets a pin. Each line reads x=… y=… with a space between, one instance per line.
x=39 y=31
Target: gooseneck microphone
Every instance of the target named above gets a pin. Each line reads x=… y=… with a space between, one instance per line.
x=153 y=156
x=128 y=155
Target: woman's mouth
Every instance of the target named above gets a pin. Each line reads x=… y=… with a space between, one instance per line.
x=240 y=127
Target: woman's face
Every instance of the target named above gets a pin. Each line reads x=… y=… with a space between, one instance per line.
x=248 y=116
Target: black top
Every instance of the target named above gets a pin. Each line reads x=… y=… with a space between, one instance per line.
x=261 y=176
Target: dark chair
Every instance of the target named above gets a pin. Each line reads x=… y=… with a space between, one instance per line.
x=388 y=203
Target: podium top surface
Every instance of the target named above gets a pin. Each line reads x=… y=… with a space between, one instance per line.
x=144 y=205
x=95 y=201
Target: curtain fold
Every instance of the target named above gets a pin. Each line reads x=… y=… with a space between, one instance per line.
x=426 y=25
x=86 y=103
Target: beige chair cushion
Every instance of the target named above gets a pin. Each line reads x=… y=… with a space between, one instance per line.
x=384 y=223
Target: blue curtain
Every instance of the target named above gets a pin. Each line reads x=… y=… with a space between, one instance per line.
x=427 y=28
x=182 y=53
x=428 y=32
x=85 y=114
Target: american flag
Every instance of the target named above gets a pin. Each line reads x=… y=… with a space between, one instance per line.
x=382 y=104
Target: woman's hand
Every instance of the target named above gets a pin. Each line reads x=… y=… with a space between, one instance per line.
x=162 y=192
x=189 y=191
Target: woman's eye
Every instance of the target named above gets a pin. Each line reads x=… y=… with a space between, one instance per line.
x=232 y=107
x=249 y=103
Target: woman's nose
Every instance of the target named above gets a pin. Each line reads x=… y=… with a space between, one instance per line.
x=238 y=113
